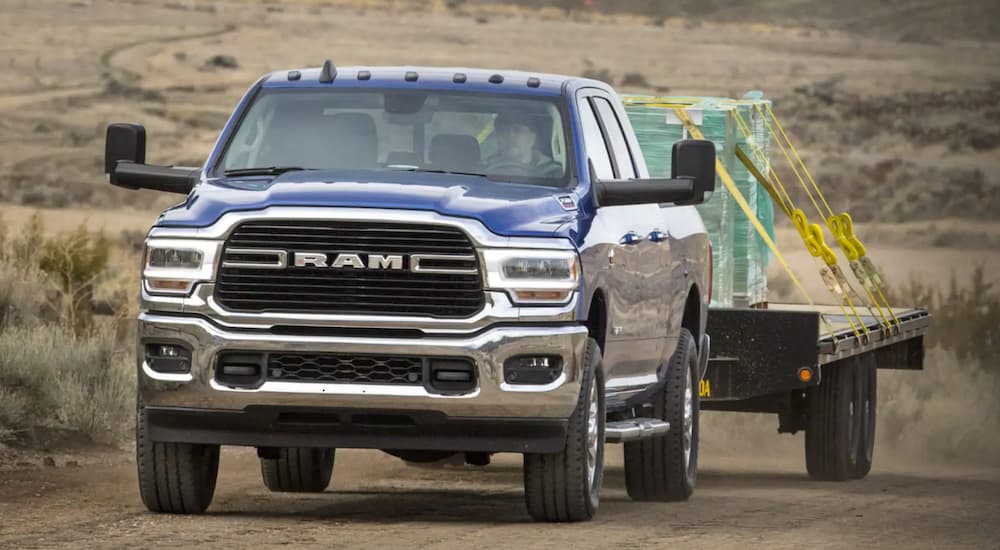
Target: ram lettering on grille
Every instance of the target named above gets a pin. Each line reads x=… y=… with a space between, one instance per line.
x=350 y=267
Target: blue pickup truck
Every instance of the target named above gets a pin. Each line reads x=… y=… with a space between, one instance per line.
x=429 y=262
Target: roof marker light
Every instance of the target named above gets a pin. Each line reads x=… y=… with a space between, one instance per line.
x=294 y=75
x=328 y=73
x=411 y=76
x=534 y=82
x=496 y=79
x=364 y=75
x=459 y=78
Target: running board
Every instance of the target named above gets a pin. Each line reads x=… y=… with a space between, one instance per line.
x=634 y=429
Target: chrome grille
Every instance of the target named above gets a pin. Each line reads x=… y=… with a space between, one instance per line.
x=248 y=282
x=345 y=369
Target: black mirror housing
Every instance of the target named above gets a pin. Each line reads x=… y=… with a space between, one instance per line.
x=125 y=163
x=695 y=159
x=125 y=142
x=645 y=191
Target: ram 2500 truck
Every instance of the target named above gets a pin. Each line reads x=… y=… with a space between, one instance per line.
x=428 y=262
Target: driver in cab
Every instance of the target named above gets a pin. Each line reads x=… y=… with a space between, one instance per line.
x=517 y=153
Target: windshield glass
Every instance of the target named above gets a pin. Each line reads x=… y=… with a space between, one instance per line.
x=502 y=137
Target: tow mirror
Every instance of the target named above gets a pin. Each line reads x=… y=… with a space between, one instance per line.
x=694 y=159
x=692 y=181
x=125 y=163
x=124 y=142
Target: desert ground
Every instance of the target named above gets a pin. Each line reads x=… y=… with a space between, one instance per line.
x=896 y=107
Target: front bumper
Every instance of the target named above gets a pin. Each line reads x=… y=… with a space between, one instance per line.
x=492 y=399
x=273 y=426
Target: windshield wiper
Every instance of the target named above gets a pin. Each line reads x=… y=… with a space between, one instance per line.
x=265 y=171
x=405 y=168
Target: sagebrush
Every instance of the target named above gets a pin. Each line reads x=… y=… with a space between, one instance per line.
x=61 y=364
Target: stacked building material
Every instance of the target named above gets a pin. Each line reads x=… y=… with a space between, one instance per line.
x=740 y=276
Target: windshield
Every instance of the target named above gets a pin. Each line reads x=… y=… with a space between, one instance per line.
x=502 y=137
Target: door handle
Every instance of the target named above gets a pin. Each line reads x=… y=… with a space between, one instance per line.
x=631 y=238
x=658 y=236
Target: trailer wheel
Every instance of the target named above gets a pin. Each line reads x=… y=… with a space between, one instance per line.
x=666 y=468
x=174 y=478
x=298 y=470
x=834 y=430
x=566 y=486
x=867 y=376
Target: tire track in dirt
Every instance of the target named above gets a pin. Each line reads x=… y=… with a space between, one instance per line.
x=107 y=58
x=19 y=100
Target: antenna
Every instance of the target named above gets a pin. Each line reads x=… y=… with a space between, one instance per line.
x=328 y=73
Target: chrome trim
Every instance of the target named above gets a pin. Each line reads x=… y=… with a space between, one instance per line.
x=634 y=429
x=415 y=267
x=281 y=254
x=489 y=350
x=498 y=309
x=477 y=232
x=165 y=376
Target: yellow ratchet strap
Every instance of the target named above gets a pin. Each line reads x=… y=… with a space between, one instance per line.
x=811 y=234
x=727 y=180
x=812 y=237
x=841 y=225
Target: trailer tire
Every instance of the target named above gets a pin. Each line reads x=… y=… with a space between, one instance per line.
x=666 y=468
x=298 y=470
x=174 y=478
x=566 y=486
x=833 y=429
x=867 y=376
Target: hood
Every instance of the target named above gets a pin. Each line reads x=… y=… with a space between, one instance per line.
x=507 y=209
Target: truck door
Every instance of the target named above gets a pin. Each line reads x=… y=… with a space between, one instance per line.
x=637 y=256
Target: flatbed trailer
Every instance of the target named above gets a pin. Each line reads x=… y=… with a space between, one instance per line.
x=816 y=376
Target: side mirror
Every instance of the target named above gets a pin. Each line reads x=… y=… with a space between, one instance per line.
x=125 y=163
x=692 y=181
x=694 y=159
x=124 y=142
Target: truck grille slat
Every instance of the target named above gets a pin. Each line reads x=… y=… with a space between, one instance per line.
x=350 y=290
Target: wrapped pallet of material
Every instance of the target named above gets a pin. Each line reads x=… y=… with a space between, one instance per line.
x=740 y=255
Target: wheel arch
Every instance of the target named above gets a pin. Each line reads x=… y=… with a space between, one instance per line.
x=597 y=317
x=695 y=315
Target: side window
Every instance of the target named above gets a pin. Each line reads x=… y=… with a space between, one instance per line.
x=613 y=129
x=593 y=140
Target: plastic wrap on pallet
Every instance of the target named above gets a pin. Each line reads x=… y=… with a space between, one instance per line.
x=741 y=256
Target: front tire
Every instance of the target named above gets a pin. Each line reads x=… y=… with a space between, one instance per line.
x=174 y=478
x=566 y=486
x=298 y=470
x=666 y=468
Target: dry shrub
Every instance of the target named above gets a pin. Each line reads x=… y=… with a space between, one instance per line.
x=59 y=365
x=966 y=317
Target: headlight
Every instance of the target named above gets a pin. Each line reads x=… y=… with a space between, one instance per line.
x=173 y=266
x=535 y=277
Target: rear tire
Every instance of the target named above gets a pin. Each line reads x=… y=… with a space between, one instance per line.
x=666 y=468
x=868 y=404
x=566 y=486
x=835 y=436
x=298 y=470
x=174 y=478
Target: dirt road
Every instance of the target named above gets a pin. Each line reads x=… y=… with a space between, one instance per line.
x=376 y=501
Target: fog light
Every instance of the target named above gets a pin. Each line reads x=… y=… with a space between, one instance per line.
x=168 y=358
x=532 y=369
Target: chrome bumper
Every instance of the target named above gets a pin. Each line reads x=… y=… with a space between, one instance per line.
x=493 y=397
